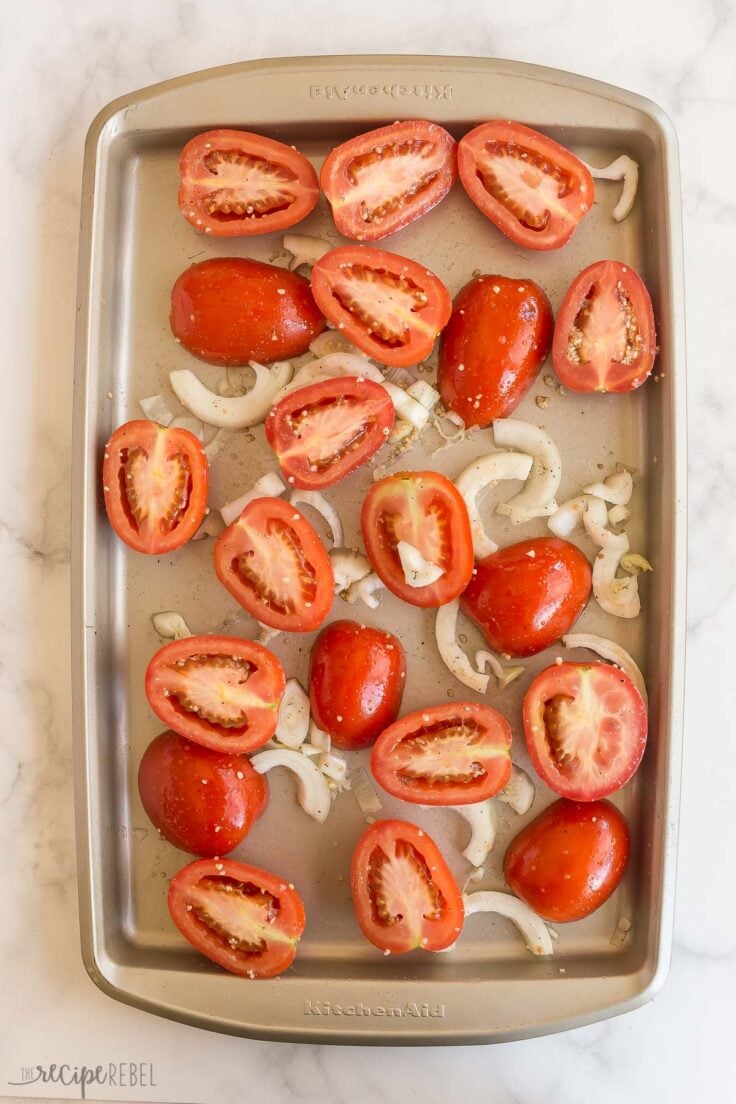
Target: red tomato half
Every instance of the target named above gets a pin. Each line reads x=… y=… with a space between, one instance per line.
x=235 y=183
x=454 y=754
x=155 y=481
x=274 y=564
x=585 y=728
x=322 y=432
x=381 y=181
x=247 y=920
x=404 y=895
x=389 y=306
x=231 y=310
x=356 y=679
x=569 y=860
x=493 y=347
x=219 y=691
x=526 y=596
x=605 y=338
x=531 y=187
x=426 y=511
x=199 y=800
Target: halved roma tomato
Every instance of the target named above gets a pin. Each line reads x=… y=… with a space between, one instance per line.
x=155 y=481
x=381 y=181
x=404 y=895
x=247 y=920
x=585 y=728
x=235 y=183
x=220 y=691
x=274 y=564
x=605 y=339
x=531 y=187
x=389 y=306
x=322 y=432
x=426 y=511
x=454 y=754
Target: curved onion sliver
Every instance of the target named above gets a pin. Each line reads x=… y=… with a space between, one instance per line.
x=623 y=168
x=269 y=485
x=312 y=791
x=533 y=929
x=418 y=572
x=613 y=652
x=348 y=567
x=319 y=503
x=481 y=816
x=518 y=791
x=486 y=472
x=293 y=721
x=504 y=675
x=619 y=597
x=450 y=651
x=305 y=249
x=616 y=488
x=365 y=589
x=238 y=412
x=537 y=496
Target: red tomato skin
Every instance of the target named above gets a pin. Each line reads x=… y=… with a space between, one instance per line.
x=228 y=311
x=356 y=680
x=524 y=603
x=569 y=861
x=496 y=341
x=188 y=791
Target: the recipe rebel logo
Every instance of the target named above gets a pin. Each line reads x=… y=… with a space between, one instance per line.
x=410 y=1010
x=119 y=1075
x=395 y=91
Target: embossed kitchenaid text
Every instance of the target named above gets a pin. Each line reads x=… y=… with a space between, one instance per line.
x=411 y=1010
x=395 y=91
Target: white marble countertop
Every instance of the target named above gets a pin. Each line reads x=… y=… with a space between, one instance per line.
x=60 y=62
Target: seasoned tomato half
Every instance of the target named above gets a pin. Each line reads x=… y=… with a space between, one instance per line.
x=322 y=432
x=155 y=482
x=235 y=183
x=274 y=564
x=455 y=754
x=585 y=728
x=531 y=187
x=605 y=338
x=247 y=920
x=219 y=691
x=404 y=895
x=381 y=181
x=389 y=306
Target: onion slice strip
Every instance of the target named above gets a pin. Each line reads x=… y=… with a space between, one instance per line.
x=305 y=249
x=518 y=791
x=293 y=720
x=613 y=652
x=348 y=567
x=487 y=472
x=170 y=625
x=319 y=503
x=504 y=675
x=537 y=496
x=418 y=572
x=365 y=589
x=532 y=928
x=616 y=488
x=269 y=485
x=238 y=412
x=312 y=791
x=452 y=655
x=481 y=816
x=623 y=168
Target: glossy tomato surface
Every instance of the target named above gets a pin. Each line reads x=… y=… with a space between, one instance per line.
x=220 y=691
x=585 y=727
x=404 y=895
x=155 y=482
x=356 y=679
x=322 y=432
x=493 y=347
x=568 y=861
x=605 y=338
x=527 y=595
x=236 y=183
x=247 y=920
x=381 y=181
x=425 y=510
x=531 y=187
x=274 y=564
x=454 y=754
x=199 y=800
x=389 y=306
x=231 y=310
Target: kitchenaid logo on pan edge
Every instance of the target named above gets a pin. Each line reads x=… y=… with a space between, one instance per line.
x=345 y=91
x=412 y=1010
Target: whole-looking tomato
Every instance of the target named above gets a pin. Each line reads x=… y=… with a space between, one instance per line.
x=231 y=310
x=569 y=860
x=356 y=679
x=493 y=347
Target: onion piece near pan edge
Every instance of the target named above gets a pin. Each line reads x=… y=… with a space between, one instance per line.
x=313 y=792
x=623 y=168
x=613 y=652
x=170 y=625
x=270 y=485
x=240 y=411
x=319 y=503
x=348 y=567
x=537 y=497
x=481 y=816
x=533 y=929
x=487 y=472
x=616 y=488
x=518 y=791
x=292 y=726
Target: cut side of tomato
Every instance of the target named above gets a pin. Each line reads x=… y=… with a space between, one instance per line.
x=155 y=482
x=236 y=183
x=455 y=754
x=247 y=920
x=605 y=338
x=530 y=186
x=322 y=432
x=219 y=691
x=585 y=728
x=404 y=894
x=381 y=181
x=274 y=564
x=389 y=306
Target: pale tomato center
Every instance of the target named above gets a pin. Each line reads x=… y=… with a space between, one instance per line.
x=402 y=889
x=531 y=187
x=586 y=733
x=386 y=304
x=605 y=328
x=392 y=174
x=241 y=914
x=275 y=567
x=449 y=751
x=213 y=687
x=425 y=527
x=155 y=486
x=329 y=431
x=248 y=186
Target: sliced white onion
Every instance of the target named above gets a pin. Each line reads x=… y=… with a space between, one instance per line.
x=619 y=597
x=156 y=409
x=266 y=633
x=568 y=516
x=319 y=503
x=418 y=572
x=451 y=653
x=481 y=816
x=348 y=567
x=192 y=425
x=618 y=515
x=270 y=485
x=406 y=407
x=424 y=393
x=311 y=751
x=329 y=367
x=170 y=625
x=293 y=721
x=216 y=444
x=483 y=473
x=613 y=652
x=211 y=526
x=533 y=929
x=623 y=168
x=365 y=589
x=537 y=496
x=312 y=791
x=333 y=767
x=595 y=520
x=334 y=341
x=504 y=675
x=238 y=412
x=318 y=738
x=364 y=792
x=518 y=791
x=616 y=489
x=305 y=249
